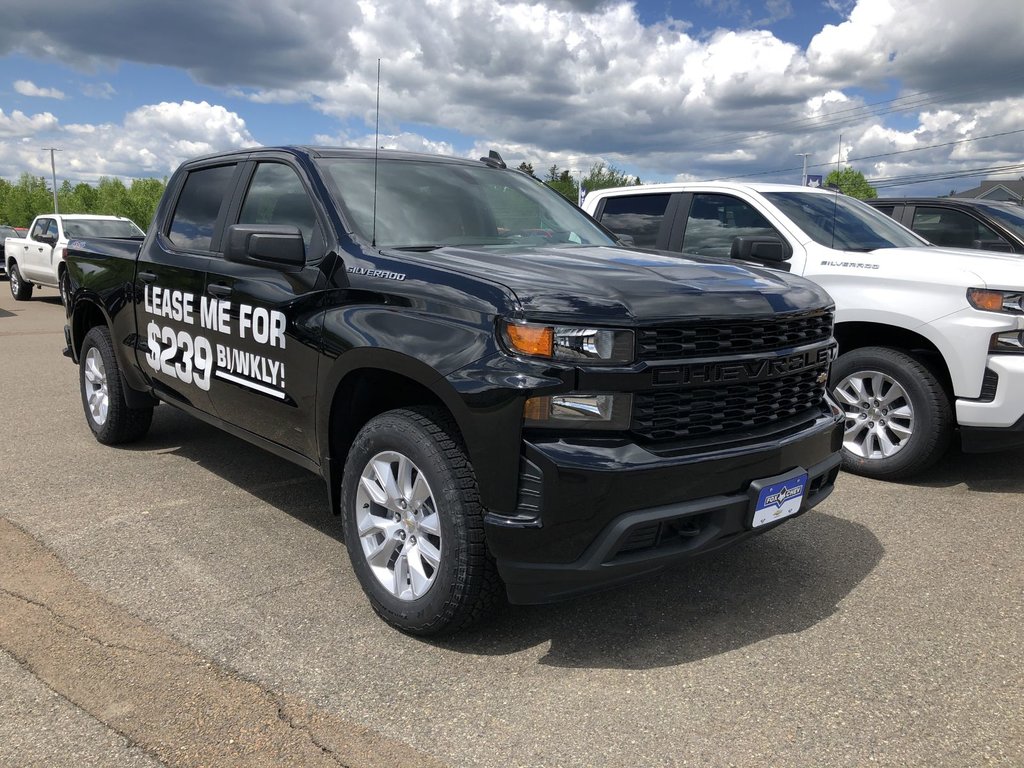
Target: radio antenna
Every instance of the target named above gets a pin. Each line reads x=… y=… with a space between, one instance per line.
x=376 y=143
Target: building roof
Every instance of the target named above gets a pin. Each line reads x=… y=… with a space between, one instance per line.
x=996 y=190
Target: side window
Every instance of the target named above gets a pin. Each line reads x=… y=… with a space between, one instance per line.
x=51 y=229
x=951 y=228
x=715 y=220
x=40 y=228
x=276 y=196
x=199 y=204
x=888 y=210
x=638 y=215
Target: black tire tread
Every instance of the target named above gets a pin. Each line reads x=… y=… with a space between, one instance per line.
x=929 y=446
x=478 y=591
x=124 y=424
x=24 y=292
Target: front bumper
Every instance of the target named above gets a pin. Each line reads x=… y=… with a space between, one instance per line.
x=995 y=421
x=611 y=513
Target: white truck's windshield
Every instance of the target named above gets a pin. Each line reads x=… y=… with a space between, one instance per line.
x=844 y=223
x=422 y=204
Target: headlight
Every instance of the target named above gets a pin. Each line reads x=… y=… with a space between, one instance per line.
x=569 y=343
x=1010 y=302
x=579 y=411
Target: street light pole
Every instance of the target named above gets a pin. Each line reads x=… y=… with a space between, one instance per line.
x=53 y=171
x=803 y=178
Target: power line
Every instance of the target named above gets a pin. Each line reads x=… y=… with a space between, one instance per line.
x=779 y=171
x=845 y=116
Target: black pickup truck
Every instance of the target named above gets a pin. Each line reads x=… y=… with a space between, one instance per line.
x=501 y=399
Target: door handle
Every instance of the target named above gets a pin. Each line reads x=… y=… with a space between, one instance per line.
x=218 y=289
x=147 y=277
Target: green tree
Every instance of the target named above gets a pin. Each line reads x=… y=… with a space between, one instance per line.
x=851 y=182
x=25 y=200
x=527 y=168
x=603 y=176
x=143 y=197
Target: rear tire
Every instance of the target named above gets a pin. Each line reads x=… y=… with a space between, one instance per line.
x=413 y=524
x=64 y=287
x=20 y=290
x=898 y=417
x=109 y=417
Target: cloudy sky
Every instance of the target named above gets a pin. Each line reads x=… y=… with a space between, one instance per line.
x=922 y=96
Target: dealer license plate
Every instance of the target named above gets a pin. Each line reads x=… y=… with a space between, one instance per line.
x=778 y=498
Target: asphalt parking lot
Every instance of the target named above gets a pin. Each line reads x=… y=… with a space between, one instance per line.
x=187 y=601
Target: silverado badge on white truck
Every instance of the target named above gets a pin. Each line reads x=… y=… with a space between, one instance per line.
x=931 y=340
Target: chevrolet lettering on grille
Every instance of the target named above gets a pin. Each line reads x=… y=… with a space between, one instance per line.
x=744 y=370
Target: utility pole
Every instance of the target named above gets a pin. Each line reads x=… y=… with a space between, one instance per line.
x=803 y=178
x=53 y=171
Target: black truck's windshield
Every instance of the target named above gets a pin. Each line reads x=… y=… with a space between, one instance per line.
x=838 y=221
x=423 y=204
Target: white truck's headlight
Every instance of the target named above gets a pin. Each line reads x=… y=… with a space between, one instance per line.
x=1009 y=302
x=570 y=344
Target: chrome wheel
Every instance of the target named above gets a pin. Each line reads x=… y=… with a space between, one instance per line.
x=398 y=525
x=15 y=280
x=97 y=397
x=879 y=414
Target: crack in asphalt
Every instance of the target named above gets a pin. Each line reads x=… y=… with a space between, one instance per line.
x=174 y=704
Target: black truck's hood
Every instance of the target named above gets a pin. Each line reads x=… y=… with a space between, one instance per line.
x=603 y=283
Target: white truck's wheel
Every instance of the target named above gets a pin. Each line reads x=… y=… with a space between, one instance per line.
x=898 y=417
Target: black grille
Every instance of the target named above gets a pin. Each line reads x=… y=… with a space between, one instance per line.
x=727 y=408
x=729 y=337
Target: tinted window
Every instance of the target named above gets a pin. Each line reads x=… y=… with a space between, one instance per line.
x=201 y=198
x=424 y=204
x=40 y=228
x=101 y=228
x=638 y=215
x=7 y=232
x=1011 y=217
x=276 y=196
x=716 y=220
x=954 y=229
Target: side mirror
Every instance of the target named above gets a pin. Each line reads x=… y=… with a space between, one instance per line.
x=992 y=245
x=267 y=245
x=765 y=249
x=625 y=239
x=48 y=239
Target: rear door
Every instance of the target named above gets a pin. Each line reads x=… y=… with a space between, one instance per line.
x=268 y=319
x=176 y=347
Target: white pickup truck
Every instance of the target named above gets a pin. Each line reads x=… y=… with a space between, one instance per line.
x=39 y=258
x=930 y=339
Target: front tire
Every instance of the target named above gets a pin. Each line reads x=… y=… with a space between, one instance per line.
x=109 y=417
x=898 y=417
x=413 y=524
x=20 y=290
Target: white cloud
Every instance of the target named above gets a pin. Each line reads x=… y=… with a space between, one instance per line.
x=18 y=124
x=28 y=88
x=151 y=141
x=569 y=82
x=99 y=90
